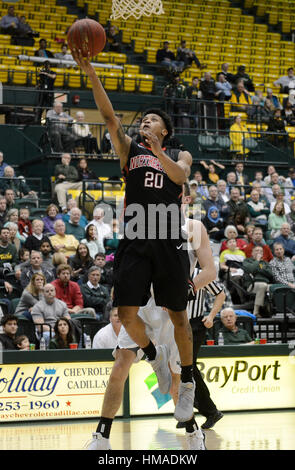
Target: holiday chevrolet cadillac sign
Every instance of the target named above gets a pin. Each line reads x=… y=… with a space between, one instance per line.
x=52 y=391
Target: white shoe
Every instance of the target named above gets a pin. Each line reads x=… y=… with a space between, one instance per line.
x=98 y=442
x=184 y=409
x=161 y=368
x=195 y=440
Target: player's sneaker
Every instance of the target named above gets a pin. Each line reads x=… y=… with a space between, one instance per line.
x=184 y=408
x=211 y=420
x=161 y=368
x=195 y=440
x=98 y=442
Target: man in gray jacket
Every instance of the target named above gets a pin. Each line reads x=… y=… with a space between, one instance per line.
x=48 y=310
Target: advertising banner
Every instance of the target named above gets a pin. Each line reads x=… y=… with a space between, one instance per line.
x=52 y=391
x=244 y=383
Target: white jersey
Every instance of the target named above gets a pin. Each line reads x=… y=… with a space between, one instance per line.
x=158 y=325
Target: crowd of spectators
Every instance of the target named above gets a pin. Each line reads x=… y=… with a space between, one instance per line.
x=56 y=267
x=251 y=221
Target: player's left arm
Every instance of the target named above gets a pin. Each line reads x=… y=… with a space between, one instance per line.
x=204 y=255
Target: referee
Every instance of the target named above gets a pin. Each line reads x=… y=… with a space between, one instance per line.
x=200 y=324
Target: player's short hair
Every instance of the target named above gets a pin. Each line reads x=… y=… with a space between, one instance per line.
x=166 y=118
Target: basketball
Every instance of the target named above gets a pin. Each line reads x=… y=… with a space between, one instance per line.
x=88 y=36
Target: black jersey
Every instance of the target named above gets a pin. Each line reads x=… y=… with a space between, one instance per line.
x=152 y=200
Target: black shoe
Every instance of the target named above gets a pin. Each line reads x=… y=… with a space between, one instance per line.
x=211 y=420
x=180 y=424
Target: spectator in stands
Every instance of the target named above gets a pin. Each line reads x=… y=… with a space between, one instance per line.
x=286 y=82
x=222 y=193
x=24 y=33
x=3 y=210
x=63 y=55
x=249 y=232
x=9 y=324
x=18 y=185
x=224 y=88
x=106 y=270
x=291 y=216
x=66 y=216
x=111 y=243
x=213 y=200
x=257 y=210
x=241 y=98
x=47 y=252
x=61 y=242
x=73 y=226
x=288 y=113
x=260 y=273
x=33 y=242
x=261 y=110
x=231 y=181
x=282 y=267
x=276 y=127
x=8 y=252
x=61 y=135
x=3 y=165
x=273 y=98
x=273 y=191
x=85 y=173
x=214 y=223
x=9 y=23
x=69 y=291
x=24 y=223
x=43 y=51
x=81 y=262
x=228 y=76
x=242 y=177
x=287 y=240
x=22 y=343
x=276 y=218
x=66 y=177
x=188 y=56
x=94 y=294
x=31 y=295
x=9 y=195
x=279 y=197
x=231 y=267
x=113 y=39
x=166 y=58
x=213 y=170
x=257 y=240
x=92 y=242
x=235 y=204
x=290 y=181
x=232 y=334
x=239 y=132
x=177 y=104
x=244 y=77
x=64 y=335
x=231 y=232
x=35 y=266
x=48 y=310
x=51 y=217
x=83 y=135
x=258 y=180
x=107 y=337
x=103 y=229
x=14 y=239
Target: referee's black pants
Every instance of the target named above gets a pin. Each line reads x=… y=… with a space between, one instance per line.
x=202 y=400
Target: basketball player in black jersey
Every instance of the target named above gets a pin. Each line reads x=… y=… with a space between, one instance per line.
x=152 y=251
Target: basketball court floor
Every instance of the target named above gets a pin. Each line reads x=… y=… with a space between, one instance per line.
x=269 y=430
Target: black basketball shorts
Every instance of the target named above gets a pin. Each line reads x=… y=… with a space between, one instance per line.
x=162 y=264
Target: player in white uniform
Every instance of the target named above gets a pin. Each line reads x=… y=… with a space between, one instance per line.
x=159 y=326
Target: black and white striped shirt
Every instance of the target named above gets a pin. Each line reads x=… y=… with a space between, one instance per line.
x=195 y=306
